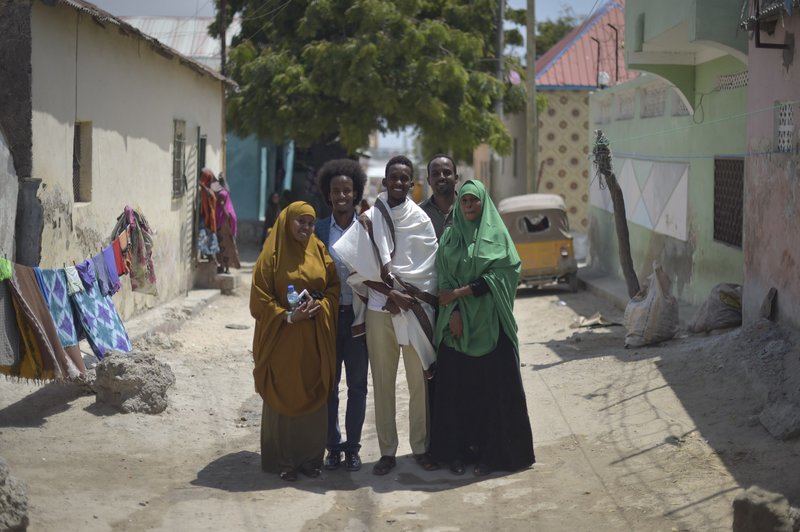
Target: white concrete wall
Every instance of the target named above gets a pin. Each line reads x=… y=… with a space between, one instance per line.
x=86 y=72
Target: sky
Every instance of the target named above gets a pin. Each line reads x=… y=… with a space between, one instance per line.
x=545 y=10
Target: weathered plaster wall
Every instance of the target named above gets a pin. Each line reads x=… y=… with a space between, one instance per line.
x=15 y=89
x=83 y=71
x=772 y=183
x=693 y=258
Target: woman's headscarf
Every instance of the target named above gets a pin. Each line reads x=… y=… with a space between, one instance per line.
x=293 y=372
x=208 y=200
x=467 y=252
x=225 y=211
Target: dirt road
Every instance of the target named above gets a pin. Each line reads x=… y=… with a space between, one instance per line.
x=657 y=438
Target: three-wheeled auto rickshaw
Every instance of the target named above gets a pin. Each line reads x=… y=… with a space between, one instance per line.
x=539 y=227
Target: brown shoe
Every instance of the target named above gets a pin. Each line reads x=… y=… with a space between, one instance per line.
x=427 y=463
x=384 y=465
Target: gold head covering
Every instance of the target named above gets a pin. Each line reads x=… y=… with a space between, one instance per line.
x=294 y=362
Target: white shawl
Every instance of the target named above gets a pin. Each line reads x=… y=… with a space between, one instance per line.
x=412 y=254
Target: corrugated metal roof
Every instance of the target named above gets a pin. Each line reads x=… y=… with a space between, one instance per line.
x=103 y=17
x=187 y=35
x=572 y=62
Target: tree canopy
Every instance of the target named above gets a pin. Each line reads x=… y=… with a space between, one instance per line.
x=549 y=32
x=319 y=70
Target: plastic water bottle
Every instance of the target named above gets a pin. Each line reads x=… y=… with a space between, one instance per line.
x=293 y=298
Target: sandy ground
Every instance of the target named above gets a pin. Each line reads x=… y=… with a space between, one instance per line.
x=659 y=438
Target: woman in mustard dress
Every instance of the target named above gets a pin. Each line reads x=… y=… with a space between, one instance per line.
x=294 y=352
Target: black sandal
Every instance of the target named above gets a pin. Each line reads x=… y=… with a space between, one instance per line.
x=311 y=471
x=457 y=467
x=481 y=470
x=427 y=463
x=288 y=474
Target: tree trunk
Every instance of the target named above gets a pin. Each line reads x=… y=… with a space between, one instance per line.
x=621 y=223
x=602 y=158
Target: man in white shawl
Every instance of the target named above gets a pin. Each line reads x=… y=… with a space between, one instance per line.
x=392 y=260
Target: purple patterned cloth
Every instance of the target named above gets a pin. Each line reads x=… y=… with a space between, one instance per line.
x=100 y=321
x=55 y=283
x=86 y=273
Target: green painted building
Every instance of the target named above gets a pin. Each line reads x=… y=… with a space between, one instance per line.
x=678 y=138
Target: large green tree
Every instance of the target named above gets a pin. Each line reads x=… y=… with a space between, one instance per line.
x=319 y=70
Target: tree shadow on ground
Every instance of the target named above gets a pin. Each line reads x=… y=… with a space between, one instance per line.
x=241 y=472
x=34 y=409
x=716 y=379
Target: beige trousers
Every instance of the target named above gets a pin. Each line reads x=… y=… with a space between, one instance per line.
x=384 y=358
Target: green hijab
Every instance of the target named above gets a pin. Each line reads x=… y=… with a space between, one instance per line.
x=467 y=251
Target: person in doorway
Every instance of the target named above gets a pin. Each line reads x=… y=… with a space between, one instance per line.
x=228 y=256
x=294 y=351
x=442 y=178
x=273 y=209
x=342 y=184
x=393 y=256
x=480 y=411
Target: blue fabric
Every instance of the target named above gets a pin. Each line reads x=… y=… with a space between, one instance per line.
x=330 y=234
x=111 y=268
x=101 y=272
x=352 y=353
x=86 y=273
x=323 y=230
x=100 y=321
x=55 y=282
x=37 y=272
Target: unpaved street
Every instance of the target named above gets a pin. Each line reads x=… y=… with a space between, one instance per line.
x=657 y=438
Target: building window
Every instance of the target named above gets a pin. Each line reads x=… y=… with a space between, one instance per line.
x=653 y=100
x=678 y=107
x=728 y=192
x=784 y=126
x=179 y=159
x=82 y=162
x=626 y=106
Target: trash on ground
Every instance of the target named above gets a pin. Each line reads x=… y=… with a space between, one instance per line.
x=652 y=314
x=722 y=309
x=595 y=320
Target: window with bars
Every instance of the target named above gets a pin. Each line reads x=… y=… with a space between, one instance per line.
x=728 y=192
x=653 y=100
x=626 y=106
x=678 y=106
x=179 y=158
x=82 y=162
x=784 y=126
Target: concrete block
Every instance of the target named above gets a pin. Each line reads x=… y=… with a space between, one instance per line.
x=227 y=282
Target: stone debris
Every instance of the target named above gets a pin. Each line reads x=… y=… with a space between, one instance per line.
x=13 y=502
x=136 y=382
x=758 y=510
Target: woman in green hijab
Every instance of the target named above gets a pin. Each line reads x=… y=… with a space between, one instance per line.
x=479 y=413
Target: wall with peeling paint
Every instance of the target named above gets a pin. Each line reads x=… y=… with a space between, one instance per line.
x=772 y=179
x=670 y=214
x=87 y=72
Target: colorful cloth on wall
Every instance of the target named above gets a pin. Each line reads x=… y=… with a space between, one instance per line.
x=101 y=272
x=119 y=261
x=55 y=283
x=38 y=273
x=9 y=330
x=99 y=318
x=111 y=269
x=140 y=250
x=5 y=269
x=74 y=283
x=47 y=357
